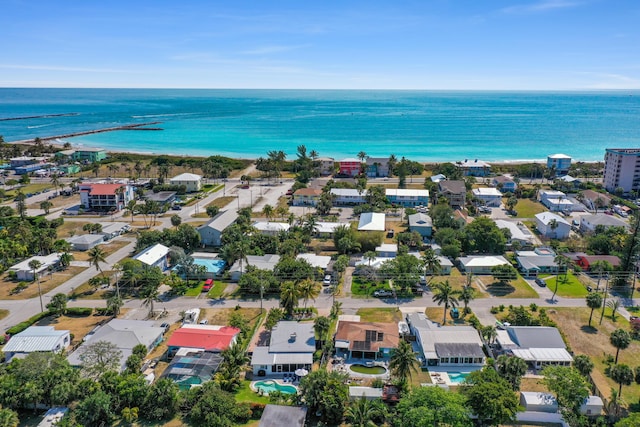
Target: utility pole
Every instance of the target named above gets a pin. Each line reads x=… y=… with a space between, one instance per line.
x=604 y=301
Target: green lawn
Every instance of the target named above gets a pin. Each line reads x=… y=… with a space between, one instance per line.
x=572 y=288
x=245 y=394
x=518 y=288
x=195 y=291
x=364 y=288
x=382 y=315
x=527 y=208
x=217 y=290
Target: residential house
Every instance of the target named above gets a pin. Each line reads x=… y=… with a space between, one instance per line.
x=112 y=230
x=538 y=261
x=191 y=181
x=369 y=393
x=488 y=196
x=320 y=262
x=588 y=223
x=372 y=221
x=594 y=200
x=481 y=264
x=537 y=401
x=348 y=196
x=620 y=169
x=47 y=263
x=474 y=167
x=519 y=232
x=211 y=338
x=192 y=367
x=125 y=335
x=89 y=155
x=271 y=228
x=349 y=167
x=557 y=201
x=387 y=250
x=437 y=178
x=569 y=181
x=407 y=197
x=162 y=198
x=306 y=197
x=280 y=416
x=504 y=183
x=377 y=167
x=36 y=339
x=262 y=262
x=84 y=242
x=291 y=346
x=326 y=229
x=585 y=261
x=421 y=223
x=105 y=197
x=454 y=191
x=539 y=346
x=552 y=226
x=327 y=165
x=366 y=340
x=211 y=232
x=446 y=346
x=559 y=163
x=154 y=256
x=445 y=265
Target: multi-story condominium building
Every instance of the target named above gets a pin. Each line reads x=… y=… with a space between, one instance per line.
x=326 y=165
x=622 y=169
x=350 y=166
x=105 y=197
x=377 y=167
x=474 y=167
x=454 y=191
x=559 y=163
x=407 y=197
x=348 y=196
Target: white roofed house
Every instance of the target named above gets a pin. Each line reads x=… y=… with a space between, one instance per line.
x=262 y=262
x=271 y=228
x=489 y=196
x=559 y=163
x=474 y=167
x=588 y=223
x=113 y=229
x=519 y=232
x=291 y=346
x=318 y=261
x=538 y=261
x=47 y=263
x=481 y=264
x=36 y=339
x=372 y=221
x=84 y=242
x=326 y=229
x=539 y=346
x=552 y=226
x=557 y=201
x=407 y=197
x=191 y=181
x=154 y=256
x=348 y=196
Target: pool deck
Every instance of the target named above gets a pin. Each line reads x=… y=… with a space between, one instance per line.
x=277 y=381
x=441 y=376
x=344 y=366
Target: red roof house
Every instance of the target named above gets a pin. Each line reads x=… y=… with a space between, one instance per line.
x=204 y=337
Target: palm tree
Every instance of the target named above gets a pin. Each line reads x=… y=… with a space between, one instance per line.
x=489 y=333
x=362 y=412
x=58 y=304
x=614 y=305
x=96 y=256
x=370 y=256
x=288 y=297
x=553 y=225
x=131 y=208
x=623 y=375
x=55 y=180
x=268 y=211
x=466 y=296
x=362 y=155
x=403 y=361
x=34 y=265
x=46 y=206
x=114 y=304
x=308 y=289
x=594 y=300
x=443 y=293
x=321 y=326
x=512 y=369
x=583 y=364
x=150 y=295
x=620 y=339
x=431 y=263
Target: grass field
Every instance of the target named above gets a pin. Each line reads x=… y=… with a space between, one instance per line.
x=518 y=288
x=220 y=316
x=58 y=202
x=458 y=281
x=108 y=248
x=194 y=291
x=70 y=228
x=47 y=283
x=245 y=394
x=527 y=208
x=3 y=313
x=217 y=290
x=572 y=288
x=364 y=288
x=382 y=315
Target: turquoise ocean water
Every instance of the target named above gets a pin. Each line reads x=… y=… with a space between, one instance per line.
x=421 y=125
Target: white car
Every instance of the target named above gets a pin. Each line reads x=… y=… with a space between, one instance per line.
x=327 y=280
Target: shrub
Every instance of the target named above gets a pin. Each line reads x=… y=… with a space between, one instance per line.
x=79 y=311
x=533 y=307
x=495 y=310
x=256 y=410
x=24 y=325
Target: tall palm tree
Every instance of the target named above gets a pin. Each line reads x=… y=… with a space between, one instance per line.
x=443 y=293
x=362 y=412
x=321 y=326
x=362 y=156
x=34 y=265
x=431 y=263
x=466 y=296
x=288 y=297
x=594 y=300
x=403 y=361
x=268 y=211
x=623 y=375
x=96 y=256
x=308 y=289
x=55 y=180
x=620 y=339
x=370 y=256
x=150 y=295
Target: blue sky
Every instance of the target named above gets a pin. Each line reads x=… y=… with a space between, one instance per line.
x=420 y=44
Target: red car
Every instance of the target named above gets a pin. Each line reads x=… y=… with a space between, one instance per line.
x=207 y=285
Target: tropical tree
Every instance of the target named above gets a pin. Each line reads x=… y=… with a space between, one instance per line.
x=620 y=339
x=403 y=362
x=21 y=204
x=583 y=364
x=614 y=305
x=621 y=374
x=34 y=265
x=8 y=418
x=150 y=295
x=58 y=304
x=370 y=256
x=321 y=326
x=594 y=300
x=96 y=256
x=176 y=220
x=467 y=295
x=46 y=206
x=100 y=357
x=491 y=397
x=212 y=211
x=362 y=412
x=431 y=263
x=130 y=208
x=288 y=297
x=268 y=211
x=512 y=369
x=443 y=293
x=308 y=289
x=114 y=304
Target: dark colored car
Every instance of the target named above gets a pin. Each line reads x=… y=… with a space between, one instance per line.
x=176 y=207
x=541 y=283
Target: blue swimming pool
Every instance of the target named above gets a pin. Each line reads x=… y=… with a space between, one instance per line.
x=270 y=386
x=213 y=266
x=458 y=377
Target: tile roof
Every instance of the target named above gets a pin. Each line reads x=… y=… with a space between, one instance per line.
x=104 y=189
x=368 y=336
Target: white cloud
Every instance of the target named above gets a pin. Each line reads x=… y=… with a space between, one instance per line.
x=541 y=6
x=63 y=68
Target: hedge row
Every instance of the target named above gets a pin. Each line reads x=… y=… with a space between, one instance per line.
x=79 y=311
x=24 y=325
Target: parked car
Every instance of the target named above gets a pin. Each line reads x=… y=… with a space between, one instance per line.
x=166 y=327
x=327 y=280
x=176 y=207
x=540 y=282
x=382 y=293
x=207 y=285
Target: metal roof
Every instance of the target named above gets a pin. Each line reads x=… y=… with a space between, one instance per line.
x=35 y=338
x=536 y=337
x=186 y=177
x=279 y=416
x=372 y=221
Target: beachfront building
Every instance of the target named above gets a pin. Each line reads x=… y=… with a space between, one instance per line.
x=154 y=256
x=552 y=226
x=261 y=262
x=191 y=182
x=454 y=191
x=377 y=167
x=89 y=154
x=16 y=162
x=474 y=167
x=559 y=164
x=519 y=232
x=348 y=196
x=125 y=335
x=326 y=165
x=621 y=166
x=372 y=221
x=447 y=346
x=349 y=167
x=271 y=228
x=481 y=264
x=212 y=338
x=211 y=232
x=84 y=242
x=69 y=169
x=291 y=346
x=366 y=340
x=105 y=197
x=407 y=197
x=539 y=346
x=588 y=223
x=306 y=196
x=36 y=339
x=47 y=263
x=488 y=196
x=421 y=223
x=504 y=183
